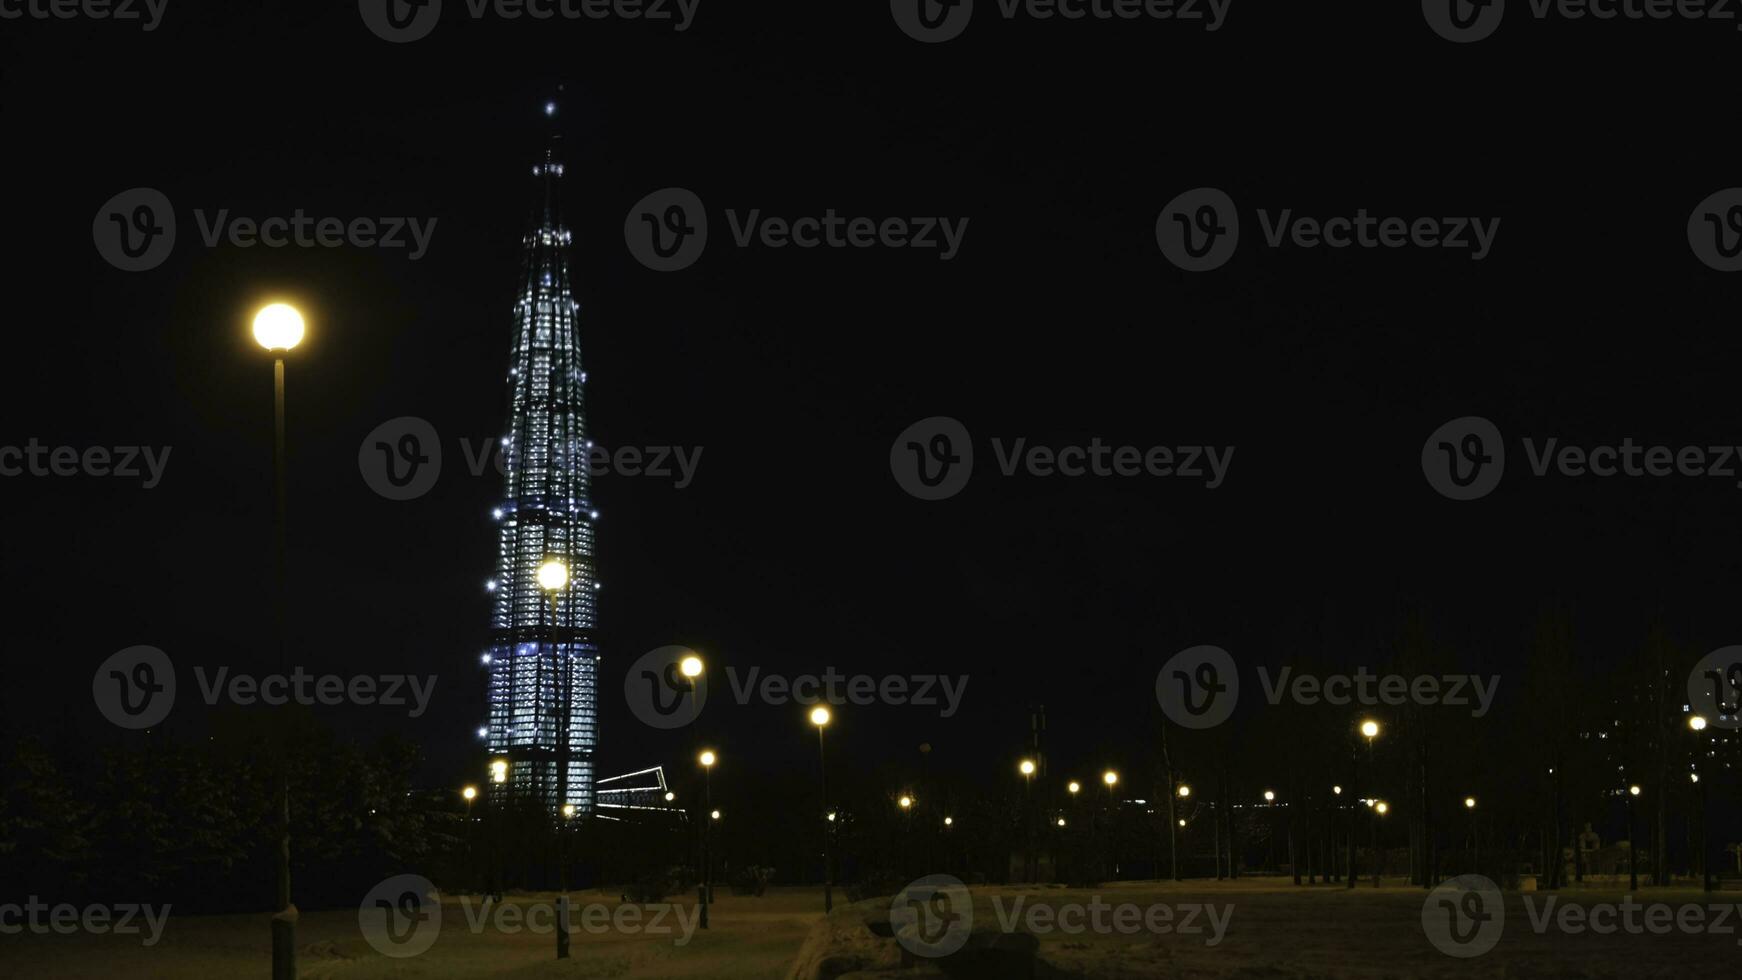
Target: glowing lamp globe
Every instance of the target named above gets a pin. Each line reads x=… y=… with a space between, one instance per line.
x=552 y=576
x=691 y=666
x=278 y=327
x=819 y=716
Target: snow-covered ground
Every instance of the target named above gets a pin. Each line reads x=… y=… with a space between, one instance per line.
x=1253 y=928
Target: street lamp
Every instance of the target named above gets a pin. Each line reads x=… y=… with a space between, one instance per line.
x=820 y=718
x=1075 y=787
x=707 y=759
x=1632 y=853
x=691 y=666
x=1369 y=730
x=1184 y=791
x=553 y=578
x=1475 y=836
x=1269 y=796
x=1697 y=724
x=278 y=328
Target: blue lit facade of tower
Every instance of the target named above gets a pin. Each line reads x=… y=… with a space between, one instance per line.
x=543 y=661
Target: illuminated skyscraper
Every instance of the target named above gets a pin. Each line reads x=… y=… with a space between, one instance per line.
x=543 y=657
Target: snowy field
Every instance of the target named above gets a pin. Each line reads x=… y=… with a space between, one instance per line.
x=1248 y=929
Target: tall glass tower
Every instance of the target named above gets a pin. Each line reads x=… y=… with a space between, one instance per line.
x=543 y=658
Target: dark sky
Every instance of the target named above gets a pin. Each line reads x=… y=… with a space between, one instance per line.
x=1059 y=321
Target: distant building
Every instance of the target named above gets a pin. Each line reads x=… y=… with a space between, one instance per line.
x=543 y=660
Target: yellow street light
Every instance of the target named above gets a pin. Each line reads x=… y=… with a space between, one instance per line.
x=1634 y=789
x=568 y=810
x=1182 y=821
x=1381 y=807
x=1027 y=767
x=1061 y=821
x=1110 y=778
x=707 y=758
x=1269 y=796
x=951 y=821
x=470 y=793
x=831 y=818
x=278 y=326
x=715 y=814
x=906 y=802
x=1074 y=787
x=1338 y=790
x=553 y=575
x=691 y=666
x=670 y=796
x=1370 y=729
x=1184 y=791
x=1469 y=803
x=1697 y=723
x=819 y=716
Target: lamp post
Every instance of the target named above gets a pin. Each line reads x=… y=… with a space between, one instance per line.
x=1030 y=867
x=1632 y=854
x=1475 y=837
x=1379 y=810
x=1331 y=858
x=1270 y=824
x=707 y=759
x=278 y=327
x=820 y=718
x=1111 y=779
x=1369 y=731
x=469 y=794
x=553 y=578
x=1697 y=724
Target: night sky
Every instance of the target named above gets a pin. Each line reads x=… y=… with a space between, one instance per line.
x=1059 y=321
